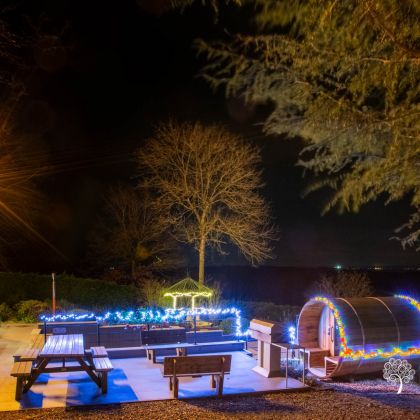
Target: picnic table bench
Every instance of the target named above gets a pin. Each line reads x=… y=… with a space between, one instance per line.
x=181 y=349
x=216 y=366
x=60 y=348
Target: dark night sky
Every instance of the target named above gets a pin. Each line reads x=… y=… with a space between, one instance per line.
x=125 y=69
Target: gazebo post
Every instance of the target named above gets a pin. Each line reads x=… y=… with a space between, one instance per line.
x=192 y=302
x=174 y=298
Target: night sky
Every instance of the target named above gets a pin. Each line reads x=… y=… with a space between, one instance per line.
x=124 y=67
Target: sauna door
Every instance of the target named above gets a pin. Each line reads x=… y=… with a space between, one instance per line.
x=327 y=331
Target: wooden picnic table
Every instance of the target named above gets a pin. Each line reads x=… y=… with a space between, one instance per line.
x=64 y=348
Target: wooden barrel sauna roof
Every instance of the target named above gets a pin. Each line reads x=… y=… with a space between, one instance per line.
x=369 y=326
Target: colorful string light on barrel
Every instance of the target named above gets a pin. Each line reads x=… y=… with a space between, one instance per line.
x=349 y=353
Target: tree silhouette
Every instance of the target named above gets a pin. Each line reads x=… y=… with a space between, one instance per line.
x=207 y=184
x=344 y=76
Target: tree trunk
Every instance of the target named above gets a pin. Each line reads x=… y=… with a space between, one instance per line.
x=201 y=258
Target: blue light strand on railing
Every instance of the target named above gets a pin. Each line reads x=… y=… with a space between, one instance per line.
x=292 y=334
x=150 y=316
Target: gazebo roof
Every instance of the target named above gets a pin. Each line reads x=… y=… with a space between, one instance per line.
x=188 y=287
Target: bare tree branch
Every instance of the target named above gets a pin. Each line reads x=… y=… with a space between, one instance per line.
x=207 y=184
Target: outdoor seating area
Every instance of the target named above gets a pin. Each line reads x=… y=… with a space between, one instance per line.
x=62 y=372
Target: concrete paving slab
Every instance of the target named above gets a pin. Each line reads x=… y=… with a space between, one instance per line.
x=133 y=379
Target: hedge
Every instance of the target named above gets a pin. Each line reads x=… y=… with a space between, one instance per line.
x=285 y=314
x=86 y=293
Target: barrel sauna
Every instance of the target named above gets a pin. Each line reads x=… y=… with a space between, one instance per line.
x=347 y=336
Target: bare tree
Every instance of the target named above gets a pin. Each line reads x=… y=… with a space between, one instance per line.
x=130 y=233
x=207 y=185
x=345 y=284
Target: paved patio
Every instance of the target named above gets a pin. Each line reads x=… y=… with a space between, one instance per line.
x=133 y=379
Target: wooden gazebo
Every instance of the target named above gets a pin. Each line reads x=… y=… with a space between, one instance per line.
x=188 y=288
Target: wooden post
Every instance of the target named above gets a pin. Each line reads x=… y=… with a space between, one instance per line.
x=303 y=370
x=221 y=378
x=19 y=387
x=175 y=381
x=104 y=382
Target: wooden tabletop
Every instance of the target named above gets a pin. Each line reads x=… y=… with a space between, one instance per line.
x=70 y=345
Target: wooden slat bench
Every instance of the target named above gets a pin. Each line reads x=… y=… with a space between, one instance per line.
x=181 y=349
x=215 y=366
x=98 y=351
x=102 y=366
x=29 y=355
x=39 y=341
x=21 y=370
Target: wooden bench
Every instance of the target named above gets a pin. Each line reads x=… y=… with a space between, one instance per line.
x=21 y=370
x=28 y=355
x=39 y=341
x=103 y=365
x=215 y=366
x=99 y=351
x=181 y=349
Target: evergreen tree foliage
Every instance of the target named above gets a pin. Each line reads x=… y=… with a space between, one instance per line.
x=345 y=77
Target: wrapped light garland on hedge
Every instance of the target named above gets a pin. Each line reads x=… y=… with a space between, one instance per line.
x=149 y=316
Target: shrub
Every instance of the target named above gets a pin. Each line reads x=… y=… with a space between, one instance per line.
x=345 y=284
x=228 y=325
x=29 y=310
x=6 y=312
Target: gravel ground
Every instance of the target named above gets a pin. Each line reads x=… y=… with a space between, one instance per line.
x=343 y=402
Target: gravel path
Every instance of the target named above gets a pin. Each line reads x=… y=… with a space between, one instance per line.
x=317 y=404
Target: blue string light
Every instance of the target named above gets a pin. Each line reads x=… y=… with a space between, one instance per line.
x=142 y=316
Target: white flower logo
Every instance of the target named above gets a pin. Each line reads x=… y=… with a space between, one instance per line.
x=398 y=371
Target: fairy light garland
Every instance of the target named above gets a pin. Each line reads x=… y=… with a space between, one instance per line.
x=411 y=300
x=144 y=316
x=348 y=353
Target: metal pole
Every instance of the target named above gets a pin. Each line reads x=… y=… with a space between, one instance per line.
x=53 y=293
x=45 y=331
x=303 y=373
x=195 y=329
